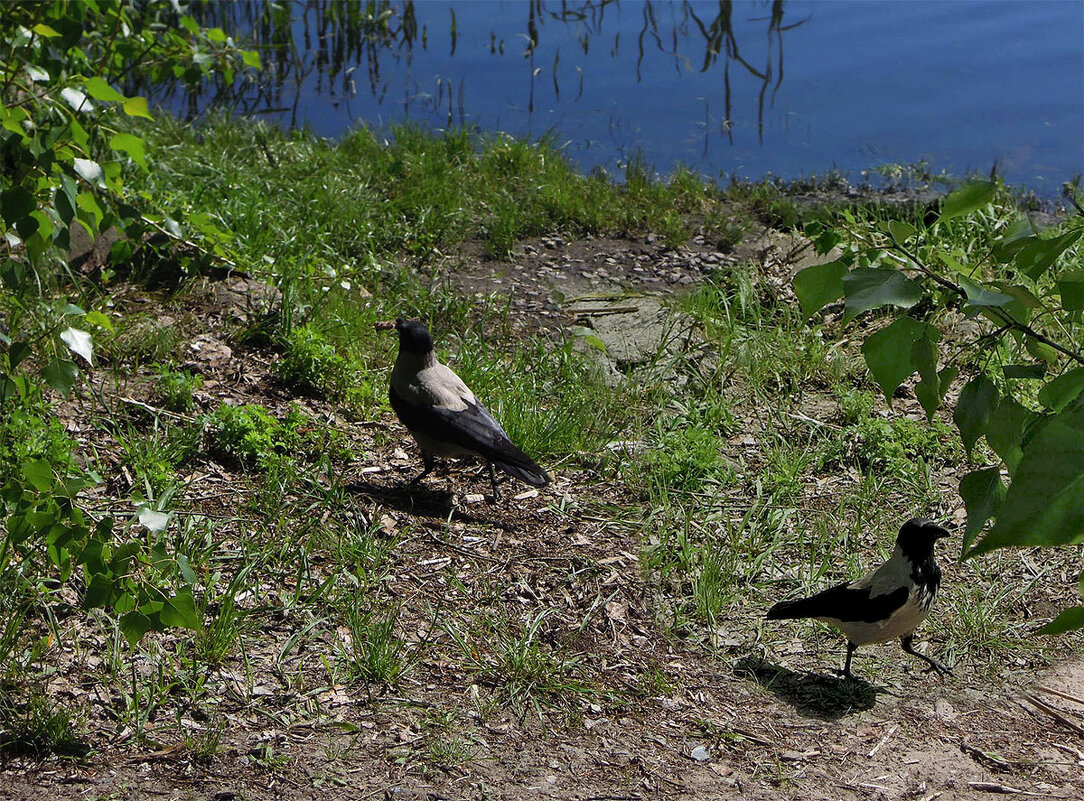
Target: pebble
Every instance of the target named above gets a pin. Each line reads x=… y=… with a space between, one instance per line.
x=701 y=754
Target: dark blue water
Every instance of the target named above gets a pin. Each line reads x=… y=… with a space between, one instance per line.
x=960 y=84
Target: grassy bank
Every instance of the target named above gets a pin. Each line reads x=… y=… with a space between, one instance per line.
x=763 y=460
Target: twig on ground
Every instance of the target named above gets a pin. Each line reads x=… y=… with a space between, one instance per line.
x=1055 y=713
x=1060 y=694
x=882 y=741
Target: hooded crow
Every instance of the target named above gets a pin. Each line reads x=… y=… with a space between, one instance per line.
x=890 y=602
x=444 y=416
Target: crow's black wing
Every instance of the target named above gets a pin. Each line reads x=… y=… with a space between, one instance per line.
x=473 y=429
x=845 y=603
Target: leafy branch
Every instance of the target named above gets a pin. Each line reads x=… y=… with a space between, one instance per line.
x=1030 y=414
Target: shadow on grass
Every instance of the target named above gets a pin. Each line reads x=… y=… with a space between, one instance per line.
x=414 y=499
x=813 y=694
x=420 y=500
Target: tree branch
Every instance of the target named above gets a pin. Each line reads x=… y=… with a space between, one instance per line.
x=1006 y=318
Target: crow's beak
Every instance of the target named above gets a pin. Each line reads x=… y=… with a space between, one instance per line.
x=942 y=533
x=385 y=325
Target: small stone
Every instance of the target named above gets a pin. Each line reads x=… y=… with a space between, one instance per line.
x=701 y=754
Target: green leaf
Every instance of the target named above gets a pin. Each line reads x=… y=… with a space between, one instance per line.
x=133 y=625
x=99 y=591
x=187 y=573
x=76 y=99
x=1015 y=237
x=869 y=287
x=152 y=520
x=889 y=352
x=1071 y=288
x=41 y=29
x=819 y=285
x=88 y=203
x=924 y=357
x=1037 y=256
x=16 y=203
x=982 y=493
x=1005 y=432
x=39 y=474
x=1024 y=370
x=60 y=374
x=1060 y=392
x=589 y=337
x=1044 y=504
x=65 y=199
x=99 y=89
x=930 y=395
x=17 y=351
x=180 y=611
x=95 y=317
x=901 y=231
x=1040 y=350
x=12 y=119
x=967 y=198
x=132 y=145
x=137 y=107
x=251 y=59
x=1069 y=619
x=89 y=171
x=978 y=296
x=12 y=274
x=974 y=408
x=80 y=343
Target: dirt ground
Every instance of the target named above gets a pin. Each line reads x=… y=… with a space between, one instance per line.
x=688 y=723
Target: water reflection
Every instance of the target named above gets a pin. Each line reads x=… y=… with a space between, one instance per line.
x=704 y=84
x=340 y=48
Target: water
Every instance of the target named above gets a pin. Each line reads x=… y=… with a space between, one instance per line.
x=742 y=89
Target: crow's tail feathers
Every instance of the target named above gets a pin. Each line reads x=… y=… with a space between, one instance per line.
x=516 y=463
x=791 y=610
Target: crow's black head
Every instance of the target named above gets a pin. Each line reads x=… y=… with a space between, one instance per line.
x=413 y=336
x=918 y=535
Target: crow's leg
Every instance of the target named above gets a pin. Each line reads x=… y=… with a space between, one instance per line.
x=908 y=645
x=493 y=481
x=846 y=672
x=430 y=462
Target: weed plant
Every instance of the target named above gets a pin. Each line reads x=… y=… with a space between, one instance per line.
x=174 y=389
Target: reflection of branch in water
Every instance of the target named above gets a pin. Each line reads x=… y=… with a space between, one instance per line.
x=719 y=38
x=333 y=39
x=296 y=39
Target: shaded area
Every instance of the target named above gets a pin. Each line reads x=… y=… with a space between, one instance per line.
x=813 y=694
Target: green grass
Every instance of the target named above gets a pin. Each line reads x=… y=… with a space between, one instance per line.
x=37 y=725
x=525 y=672
x=174 y=389
x=373 y=653
x=323 y=206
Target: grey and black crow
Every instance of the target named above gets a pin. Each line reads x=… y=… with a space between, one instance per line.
x=890 y=602
x=444 y=416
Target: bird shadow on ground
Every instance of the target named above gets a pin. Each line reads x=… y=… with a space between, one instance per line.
x=416 y=499
x=812 y=694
